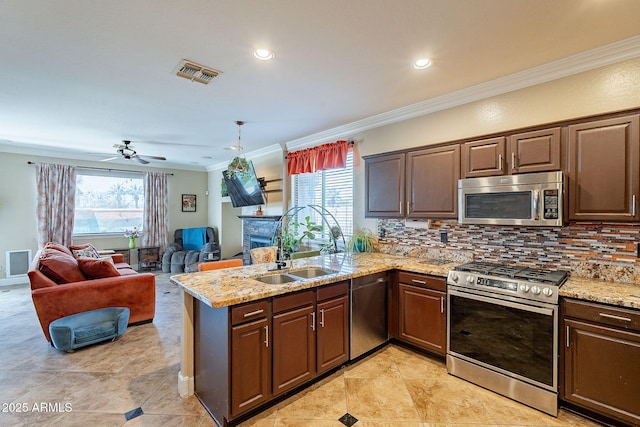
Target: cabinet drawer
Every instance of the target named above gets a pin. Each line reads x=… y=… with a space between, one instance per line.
x=288 y=302
x=423 y=281
x=330 y=291
x=250 y=311
x=601 y=313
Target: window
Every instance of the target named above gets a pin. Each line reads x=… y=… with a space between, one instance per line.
x=108 y=202
x=331 y=189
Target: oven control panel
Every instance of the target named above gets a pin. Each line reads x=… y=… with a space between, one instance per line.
x=494 y=283
x=518 y=288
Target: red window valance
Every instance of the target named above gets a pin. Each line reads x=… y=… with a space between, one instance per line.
x=325 y=156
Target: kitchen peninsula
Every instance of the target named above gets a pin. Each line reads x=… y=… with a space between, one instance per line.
x=241 y=312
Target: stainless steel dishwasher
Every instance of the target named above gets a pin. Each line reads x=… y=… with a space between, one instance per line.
x=368 y=322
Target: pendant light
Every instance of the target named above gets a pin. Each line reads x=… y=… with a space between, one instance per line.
x=237 y=147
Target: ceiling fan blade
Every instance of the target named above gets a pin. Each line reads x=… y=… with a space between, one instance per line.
x=153 y=157
x=141 y=161
x=110 y=158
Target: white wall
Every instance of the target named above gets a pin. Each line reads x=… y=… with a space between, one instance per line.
x=18 y=203
x=607 y=89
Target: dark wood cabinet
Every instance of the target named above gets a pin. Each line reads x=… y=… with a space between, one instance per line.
x=604 y=169
x=250 y=365
x=484 y=158
x=310 y=334
x=432 y=182
x=601 y=359
x=417 y=184
x=333 y=333
x=421 y=311
x=250 y=373
x=535 y=151
x=384 y=186
x=294 y=347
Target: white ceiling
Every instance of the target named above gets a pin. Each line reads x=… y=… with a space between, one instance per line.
x=79 y=76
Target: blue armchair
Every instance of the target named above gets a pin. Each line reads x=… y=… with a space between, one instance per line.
x=178 y=256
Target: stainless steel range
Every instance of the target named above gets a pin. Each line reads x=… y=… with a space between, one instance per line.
x=502 y=330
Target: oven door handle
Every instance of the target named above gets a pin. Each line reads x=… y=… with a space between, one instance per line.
x=497 y=301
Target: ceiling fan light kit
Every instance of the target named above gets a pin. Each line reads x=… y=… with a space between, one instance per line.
x=127 y=152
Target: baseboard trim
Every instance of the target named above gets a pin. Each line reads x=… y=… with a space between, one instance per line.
x=19 y=280
x=185 y=385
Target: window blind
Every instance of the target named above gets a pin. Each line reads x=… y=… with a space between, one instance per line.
x=331 y=189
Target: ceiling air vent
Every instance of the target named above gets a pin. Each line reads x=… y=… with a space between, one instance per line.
x=196 y=72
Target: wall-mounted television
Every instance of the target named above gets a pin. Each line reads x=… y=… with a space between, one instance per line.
x=244 y=188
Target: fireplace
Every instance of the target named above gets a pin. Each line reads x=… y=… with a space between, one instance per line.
x=257 y=232
x=259 y=241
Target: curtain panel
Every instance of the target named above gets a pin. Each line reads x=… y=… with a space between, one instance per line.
x=156 y=210
x=56 y=199
x=322 y=157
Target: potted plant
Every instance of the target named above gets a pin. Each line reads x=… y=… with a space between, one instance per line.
x=293 y=236
x=362 y=240
x=238 y=167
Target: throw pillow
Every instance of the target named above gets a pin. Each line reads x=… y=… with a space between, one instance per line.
x=60 y=267
x=84 y=251
x=58 y=247
x=97 y=268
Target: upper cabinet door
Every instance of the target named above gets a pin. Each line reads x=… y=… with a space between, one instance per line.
x=484 y=158
x=432 y=182
x=537 y=151
x=384 y=186
x=603 y=168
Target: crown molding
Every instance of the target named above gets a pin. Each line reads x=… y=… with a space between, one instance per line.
x=589 y=60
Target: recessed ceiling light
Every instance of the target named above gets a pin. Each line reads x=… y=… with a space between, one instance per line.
x=422 y=63
x=264 y=54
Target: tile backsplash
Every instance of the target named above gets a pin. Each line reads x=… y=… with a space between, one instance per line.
x=607 y=251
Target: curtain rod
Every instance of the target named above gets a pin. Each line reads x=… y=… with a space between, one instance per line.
x=103 y=169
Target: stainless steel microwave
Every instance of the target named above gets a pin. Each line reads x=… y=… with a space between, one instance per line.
x=532 y=199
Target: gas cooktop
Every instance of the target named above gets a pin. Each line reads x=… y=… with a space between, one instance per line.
x=512 y=281
x=547 y=277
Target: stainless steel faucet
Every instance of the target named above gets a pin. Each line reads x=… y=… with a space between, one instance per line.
x=280 y=262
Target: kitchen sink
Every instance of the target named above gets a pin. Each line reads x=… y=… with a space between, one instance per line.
x=311 y=272
x=277 y=279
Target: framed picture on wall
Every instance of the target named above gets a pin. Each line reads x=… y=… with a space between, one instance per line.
x=188 y=203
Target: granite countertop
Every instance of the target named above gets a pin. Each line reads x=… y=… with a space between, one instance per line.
x=602 y=291
x=223 y=288
x=231 y=286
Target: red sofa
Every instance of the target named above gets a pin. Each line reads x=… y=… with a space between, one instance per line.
x=62 y=285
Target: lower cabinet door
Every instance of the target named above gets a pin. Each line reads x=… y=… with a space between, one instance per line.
x=333 y=330
x=250 y=366
x=602 y=370
x=422 y=318
x=294 y=349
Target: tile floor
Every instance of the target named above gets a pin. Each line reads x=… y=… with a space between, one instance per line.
x=98 y=385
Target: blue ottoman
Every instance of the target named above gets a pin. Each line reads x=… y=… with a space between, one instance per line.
x=82 y=329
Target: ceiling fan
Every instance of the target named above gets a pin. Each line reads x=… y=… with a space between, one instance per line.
x=126 y=151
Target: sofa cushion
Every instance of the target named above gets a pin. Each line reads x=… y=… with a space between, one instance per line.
x=60 y=267
x=94 y=268
x=127 y=271
x=58 y=247
x=84 y=251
